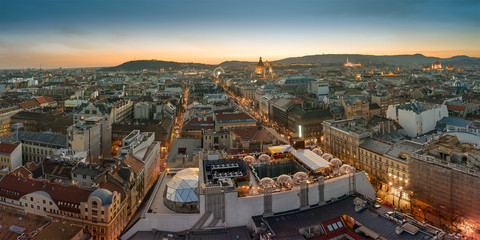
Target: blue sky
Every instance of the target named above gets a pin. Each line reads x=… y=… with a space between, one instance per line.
x=68 y=33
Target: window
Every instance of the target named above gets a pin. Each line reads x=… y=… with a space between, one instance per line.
x=339 y=224
x=309 y=230
x=44 y=202
x=335 y=226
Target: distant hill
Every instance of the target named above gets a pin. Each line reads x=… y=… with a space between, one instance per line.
x=415 y=59
x=155 y=65
x=235 y=63
x=403 y=60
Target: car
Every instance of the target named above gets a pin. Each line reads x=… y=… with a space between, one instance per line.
x=377 y=205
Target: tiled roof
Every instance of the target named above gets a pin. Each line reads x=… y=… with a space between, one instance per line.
x=456 y=107
x=7 y=148
x=252 y=134
x=113 y=187
x=232 y=116
x=195 y=124
x=21 y=171
x=135 y=164
x=15 y=187
x=28 y=105
x=45 y=137
x=57 y=169
x=351 y=99
x=41 y=99
x=49 y=99
x=35 y=169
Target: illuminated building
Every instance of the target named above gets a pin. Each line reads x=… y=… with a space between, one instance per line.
x=350 y=64
x=262 y=69
x=355 y=106
x=436 y=66
x=446 y=176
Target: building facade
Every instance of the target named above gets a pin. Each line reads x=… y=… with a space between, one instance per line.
x=343 y=138
x=355 y=106
x=10 y=156
x=86 y=135
x=417 y=118
x=452 y=189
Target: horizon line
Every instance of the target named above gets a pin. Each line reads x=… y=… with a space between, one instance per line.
x=233 y=60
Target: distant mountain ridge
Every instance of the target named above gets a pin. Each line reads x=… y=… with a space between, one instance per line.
x=139 y=65
x=414 y=59
x=400 y=60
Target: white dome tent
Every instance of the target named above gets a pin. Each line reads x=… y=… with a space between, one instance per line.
x=180 y=192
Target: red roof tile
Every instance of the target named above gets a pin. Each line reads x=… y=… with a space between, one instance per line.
x=16 y=187
x=21 y=172
x=28 y=105
x=30 y=166
x=456 y=107
x=41 y=99
x=254 y=134
x=112 y=187
x=49 y=99
x=7 y=148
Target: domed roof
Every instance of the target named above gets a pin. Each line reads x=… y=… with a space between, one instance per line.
x=182 y=186
x=104 y=195
x=249 y=160
x=260 y=63
x=336 y=162
x=263 y=158
x=284 y=181
x=267 y=182
x=299 y=177
x=345 y=168
x=458 y=84
x=327 y=156
x=318 y=151
x=43 y=193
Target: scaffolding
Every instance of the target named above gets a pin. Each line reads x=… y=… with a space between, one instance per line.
x=451 y=189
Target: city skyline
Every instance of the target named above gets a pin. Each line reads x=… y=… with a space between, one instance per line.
x=52 y=34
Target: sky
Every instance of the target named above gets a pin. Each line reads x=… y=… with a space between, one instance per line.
x=90 y=33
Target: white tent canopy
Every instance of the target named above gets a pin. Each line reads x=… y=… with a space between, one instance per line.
x=310 y=159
